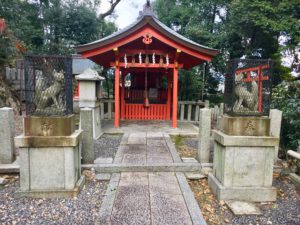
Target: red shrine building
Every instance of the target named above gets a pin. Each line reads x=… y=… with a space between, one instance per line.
x=149 y=54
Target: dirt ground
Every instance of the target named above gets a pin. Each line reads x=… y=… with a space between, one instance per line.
x=285 y=211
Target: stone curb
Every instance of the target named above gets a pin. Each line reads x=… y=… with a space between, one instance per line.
x=9 y=168
x=191 y=203
x=172 y=148
x=157 y=167
x=108 y=201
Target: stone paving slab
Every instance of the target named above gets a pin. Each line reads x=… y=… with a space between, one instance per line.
x=153 y=142
x=132 y=203
x=103 y=176
x=164 y=182
x=136 y=140
x=155 y=135
x=145 y=199
x=243 y=208
x=149 y=198
x=103 y=160
x=163 y=158
x=169 y=209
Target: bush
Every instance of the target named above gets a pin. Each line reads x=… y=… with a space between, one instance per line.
x=286 y=97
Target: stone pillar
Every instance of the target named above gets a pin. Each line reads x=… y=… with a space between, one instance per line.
x=7 y=133
x=204 y=135
x=275 y=127
x=219 y=119
x=206 y=104
x=221 y=112
x=86 y=124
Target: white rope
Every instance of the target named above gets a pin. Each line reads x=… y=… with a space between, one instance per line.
x=125 y=60
x=167 y=60
x=153 y=58
x=140 y=58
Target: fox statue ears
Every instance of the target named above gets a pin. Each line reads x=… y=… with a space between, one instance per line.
x=61 y=71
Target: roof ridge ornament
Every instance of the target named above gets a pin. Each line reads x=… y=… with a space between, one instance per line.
x=147 y=10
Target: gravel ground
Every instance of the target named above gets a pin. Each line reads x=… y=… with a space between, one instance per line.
x=285 y=211
x=191 y=142
x=107 y=145
x=81 y=210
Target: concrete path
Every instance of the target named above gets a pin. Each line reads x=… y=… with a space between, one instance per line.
x=154 y=198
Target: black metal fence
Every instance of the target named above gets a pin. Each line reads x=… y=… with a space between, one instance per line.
x=48 y=85
x=248 y=87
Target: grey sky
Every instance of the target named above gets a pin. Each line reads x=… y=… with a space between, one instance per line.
x=126 y=11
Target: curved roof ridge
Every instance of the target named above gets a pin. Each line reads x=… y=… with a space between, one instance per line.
x=142 y=18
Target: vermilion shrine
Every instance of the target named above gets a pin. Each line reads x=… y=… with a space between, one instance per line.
x=152 y=54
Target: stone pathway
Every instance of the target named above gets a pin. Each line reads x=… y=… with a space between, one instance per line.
x=156 y=198
x=142 y=148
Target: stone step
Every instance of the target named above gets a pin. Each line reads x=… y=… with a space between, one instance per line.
x=154 y=167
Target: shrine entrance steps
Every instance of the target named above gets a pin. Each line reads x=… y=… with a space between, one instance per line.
x=147 y=184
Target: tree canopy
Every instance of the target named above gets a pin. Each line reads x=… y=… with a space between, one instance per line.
x=55 y=26
x=238 y=28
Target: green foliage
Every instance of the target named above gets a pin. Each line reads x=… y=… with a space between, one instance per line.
x=8 y=51
x=196 y=20
x=286 y=97
x=238 y=28
x=54 y=26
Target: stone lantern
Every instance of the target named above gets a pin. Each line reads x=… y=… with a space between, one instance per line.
x=89 y=104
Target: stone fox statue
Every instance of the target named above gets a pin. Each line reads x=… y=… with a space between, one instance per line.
x=51 y=95
x=246 y=100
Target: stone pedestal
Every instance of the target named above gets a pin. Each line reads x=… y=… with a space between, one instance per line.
x=7 y=132
x=243 y=167
x=204 y=136
x=50 y=166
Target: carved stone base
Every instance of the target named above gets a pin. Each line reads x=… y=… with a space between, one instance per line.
x=49 y=126
x=245 y=126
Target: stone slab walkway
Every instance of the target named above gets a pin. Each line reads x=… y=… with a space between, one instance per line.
x=184 y=128
x=142 y=148
x=148 y=198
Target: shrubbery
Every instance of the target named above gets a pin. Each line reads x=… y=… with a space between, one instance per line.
x=286 y=97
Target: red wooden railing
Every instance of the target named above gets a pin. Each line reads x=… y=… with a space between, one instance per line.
x=139 y=112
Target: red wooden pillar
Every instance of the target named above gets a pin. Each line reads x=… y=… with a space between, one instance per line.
x=169 y=97
x=123 y=96
x=76 y=95
x=117 y=94
x=175 y=97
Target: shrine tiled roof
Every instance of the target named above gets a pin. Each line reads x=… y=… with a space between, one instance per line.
x=146 y=17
